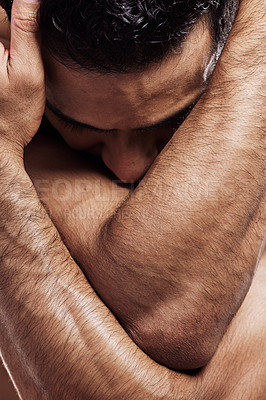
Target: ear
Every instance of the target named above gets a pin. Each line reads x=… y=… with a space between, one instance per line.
x=7 y=5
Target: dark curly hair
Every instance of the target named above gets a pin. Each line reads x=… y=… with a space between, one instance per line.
x=125 y=35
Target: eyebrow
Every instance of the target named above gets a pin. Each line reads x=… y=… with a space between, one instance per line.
x=181 y=113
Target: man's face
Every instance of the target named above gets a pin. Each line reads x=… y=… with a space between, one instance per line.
x=119 y=116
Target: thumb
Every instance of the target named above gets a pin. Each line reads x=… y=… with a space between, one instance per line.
x=24 y=43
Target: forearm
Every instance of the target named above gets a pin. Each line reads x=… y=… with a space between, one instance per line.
x=80 y=352
x=56 y=337
x=185 y=243
x=226 y=366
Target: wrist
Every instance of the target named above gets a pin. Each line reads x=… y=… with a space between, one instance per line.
x=11 y=158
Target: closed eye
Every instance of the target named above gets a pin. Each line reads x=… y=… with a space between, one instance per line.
x=72 y=127
x=173 y=121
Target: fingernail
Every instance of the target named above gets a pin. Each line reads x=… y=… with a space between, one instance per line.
x=33 y=1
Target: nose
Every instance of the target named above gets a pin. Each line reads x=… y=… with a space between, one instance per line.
x=129 y=155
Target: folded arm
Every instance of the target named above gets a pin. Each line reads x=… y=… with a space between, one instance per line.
x=57 y=338
x=171 y=263
x=175 y=260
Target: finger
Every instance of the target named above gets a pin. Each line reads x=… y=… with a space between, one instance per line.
x=24 y=43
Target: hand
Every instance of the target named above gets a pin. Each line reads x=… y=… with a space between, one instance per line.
x=22 y=90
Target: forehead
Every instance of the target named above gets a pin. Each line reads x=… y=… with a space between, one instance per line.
x=125 y=101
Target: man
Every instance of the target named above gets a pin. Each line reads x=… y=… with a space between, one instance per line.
x=131 y=304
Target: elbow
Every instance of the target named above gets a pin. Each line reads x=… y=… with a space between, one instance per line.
x=178 y=346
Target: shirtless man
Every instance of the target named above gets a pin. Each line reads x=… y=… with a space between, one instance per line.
x=83 y=331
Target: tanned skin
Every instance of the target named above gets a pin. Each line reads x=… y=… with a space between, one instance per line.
x=202 y=193
x=29 y=238
x=237 y=369
x=189 y=235
x=185 y=201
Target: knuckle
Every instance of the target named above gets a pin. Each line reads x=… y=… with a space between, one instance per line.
x=26 y=22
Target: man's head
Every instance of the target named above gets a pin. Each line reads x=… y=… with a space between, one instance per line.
x=126 y=35
x=123 y=65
